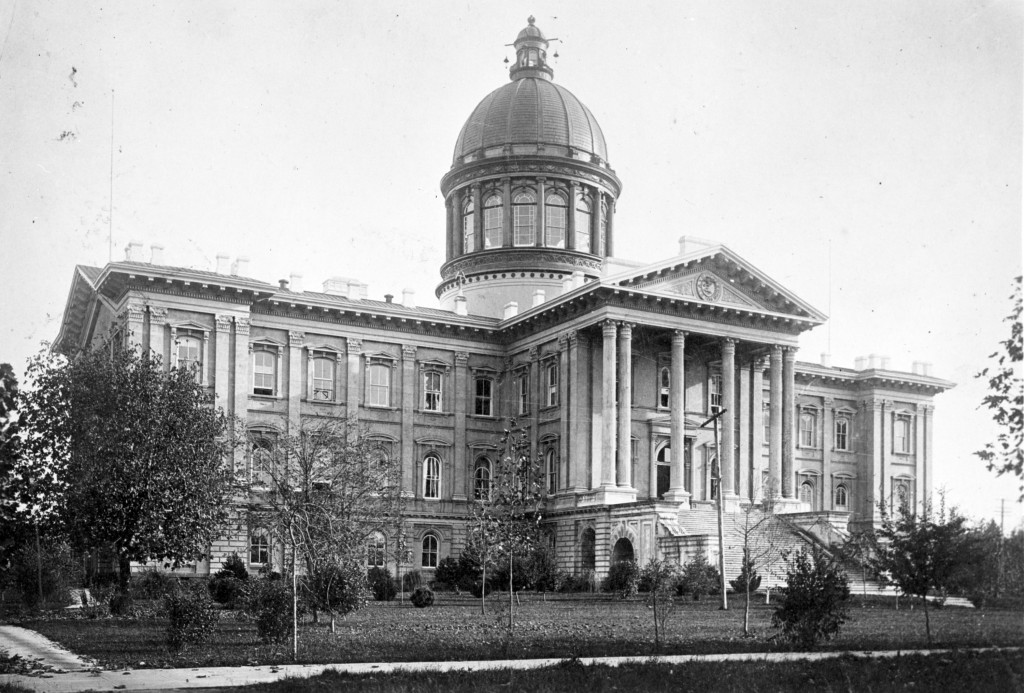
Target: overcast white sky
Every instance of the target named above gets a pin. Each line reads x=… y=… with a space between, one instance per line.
x=311 y=137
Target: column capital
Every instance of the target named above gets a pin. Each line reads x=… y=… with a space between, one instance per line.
x=534 y=353
x=760 y=363
x=789 y=354
x=242 y=326
x=408 y=351
x=610 y=328
x=874 y=403
x=626 y=329
x=830 y=402
x=157 y=315
x=926 y=407
x=223 y=323
x=296 y=338
x=728 y=344
x=461 y=358
x=776 y=351
x=563 y=341
x=133 y=312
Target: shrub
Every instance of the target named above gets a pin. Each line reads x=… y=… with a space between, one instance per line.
x=269 y=603
x=192 y=616
x=120 y=604
x=584 y=582
x=813 y=603
x=411 y=580
x=448 y=572
x=382 y=584
x=226 y=589
x=61 y=571
x=235 y=566
x=422 y=597
x=336 y=588
x=480 y=588
x=748 y=568
x=522 y=573
x=623 y=578
x=699 y=578
x=152 y=584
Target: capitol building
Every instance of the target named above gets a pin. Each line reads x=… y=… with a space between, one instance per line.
x=611 y=366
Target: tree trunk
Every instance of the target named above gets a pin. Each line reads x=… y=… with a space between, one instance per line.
x=657 y=640
x=483 y=591
x=511 y=593
x=927 y=622
x=124 y=573
x=295 y=605
x=746 y=610
x=333 y=628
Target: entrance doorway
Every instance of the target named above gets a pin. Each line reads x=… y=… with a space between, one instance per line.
x=622 y=551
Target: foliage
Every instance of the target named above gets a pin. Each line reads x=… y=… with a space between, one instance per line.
x=813 y=603
x=448 y=572
x=55 y=563
x=120 y=603
x=411 y=580
x=623 y=578
x=235 y=567
x=150 y=438
x=192 y=617
x=699 y=577
x=1005 y=399
x=543 y=569
x=382 y=584
x=748 y=580
x=325 y=491
x=660 y=577
x=921 y=553
x=518 y=573
x=481 y=589
x=269 y=604
x=422 y=597
x=152 y=584
x=226 y=589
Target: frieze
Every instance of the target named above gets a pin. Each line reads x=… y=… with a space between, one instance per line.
x=507 y=259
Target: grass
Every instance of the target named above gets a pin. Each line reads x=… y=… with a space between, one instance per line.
x=454 y=629
x=965 y=671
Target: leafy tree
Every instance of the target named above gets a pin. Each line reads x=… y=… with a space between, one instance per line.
x=660 y=578
x=921 y=553
x=325 y=491
x=623 y=578
x=1005 y=399
x=813 y=604
x=139 y=458
x=508 y=521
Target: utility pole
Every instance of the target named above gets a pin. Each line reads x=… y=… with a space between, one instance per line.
x=716 y=472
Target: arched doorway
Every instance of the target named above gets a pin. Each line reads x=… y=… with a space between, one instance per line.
x=622 y=551
x=588 y=554
x=664 y=480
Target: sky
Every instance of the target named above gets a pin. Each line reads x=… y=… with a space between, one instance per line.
x=866 y=155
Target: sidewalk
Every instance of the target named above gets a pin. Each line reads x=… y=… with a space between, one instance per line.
x=222 y=677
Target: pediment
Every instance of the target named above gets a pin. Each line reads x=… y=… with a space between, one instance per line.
x=718 y=276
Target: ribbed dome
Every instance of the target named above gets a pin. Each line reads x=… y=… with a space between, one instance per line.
x=531 y=111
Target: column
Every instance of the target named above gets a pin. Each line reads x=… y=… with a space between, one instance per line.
x=726 y=457
x=462 y=489
x=744 y=458
x=828 y=433
x=134 y=316
x=609 y=228
x=757 y=441
x=157 y=339
x=570 y=223
x=294 y=388
x=221 y=359
x=564 y=468
x=677 y=402
x=624 y=413
x=540 y=240
x=788 y=410
x=408 y=401
x=609 y=330
x=775 y=423
x=478 y=217
x=454 y=244
x=597 y=247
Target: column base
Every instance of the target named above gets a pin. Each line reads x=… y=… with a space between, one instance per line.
x=614 y=495
x=731 y=502
x=680 y=496
x=788 y=505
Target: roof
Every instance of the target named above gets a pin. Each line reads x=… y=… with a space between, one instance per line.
x=531 y=111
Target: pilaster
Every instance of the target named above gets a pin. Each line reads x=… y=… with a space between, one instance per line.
x=564 y=466
x=296 y=340
x=158 y=336
x=828 y=444
x=243 y=381
x=462 y=475
x=408 y=395
x=221 y=365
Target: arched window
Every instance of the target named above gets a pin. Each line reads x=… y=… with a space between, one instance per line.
x=807 y=493
x=554 y=221
x=428 y=558
x=664 y=479
x=376 y=551
x=842 y=496
x=665 y=387
x=187 y=354
x=482 y=480
x=468 y=223
x=432 y=476
x=323 y=378
x=582 y=221
x=259 y=547
x=492 y=222
x=524 y=219
x=842 y=437
x=551 y=469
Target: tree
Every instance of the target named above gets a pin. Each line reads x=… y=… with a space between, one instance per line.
x=813 y=602
x=699 y=576
x=660 y=577
x=1005 y=399
x=139 y=457
x=760 y=535
x=325 y=490
x=510 y=519
x=920 y=553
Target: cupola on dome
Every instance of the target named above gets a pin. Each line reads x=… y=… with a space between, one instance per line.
x=531 y=115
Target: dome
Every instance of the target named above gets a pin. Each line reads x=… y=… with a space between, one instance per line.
x=530 y=111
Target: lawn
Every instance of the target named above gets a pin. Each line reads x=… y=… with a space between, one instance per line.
x=989 y=672
x=454 y=629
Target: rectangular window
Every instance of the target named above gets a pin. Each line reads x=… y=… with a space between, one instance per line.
x=492 y=227
x=525 y=224
x=523 y=393
x=665 y=387
x=323 y=378
x=259 y=547
x=808 y=425
x=379 y=391
x=842 y=437
x=901 y=435
x=432 y=391
x=264 y=372
x=187 y=353
x=552 y=384
x=483 y=398
x=715 y=393
x=375 y=552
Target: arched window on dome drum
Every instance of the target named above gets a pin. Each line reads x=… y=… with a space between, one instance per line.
x=583 y=212
x=603 y=238
x=554 y=222
x=492 y=222
x=467 y=227
x=524 y=217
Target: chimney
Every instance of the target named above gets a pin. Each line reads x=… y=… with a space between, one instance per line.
x=826 y=360
x=156 y=254
x=926 y=368
x=577 y=279
x=408 y=298
x=356 y=290
x=883 y=362
x=872 y=360
x=461 y=307
x=241 y=266
x=389 y=298
x=538 y=297
x=511 y=310
x=336 y=286
x=858 y=363
x=295 y=282
x=682 y=245
x=223 y=263
x=282 y=284
x=133 y=251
